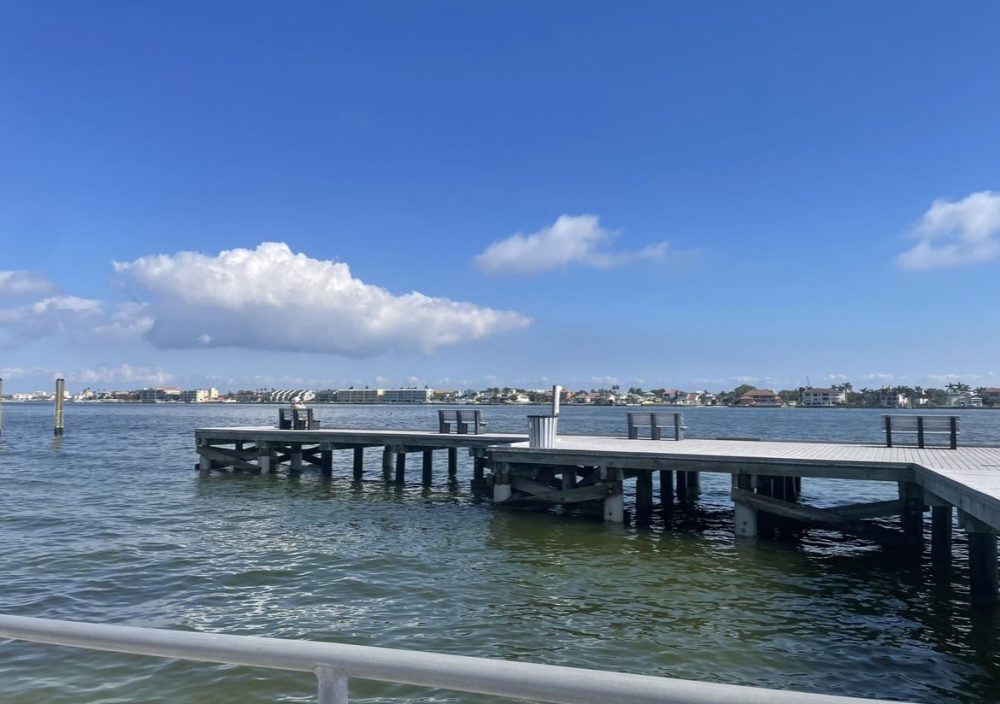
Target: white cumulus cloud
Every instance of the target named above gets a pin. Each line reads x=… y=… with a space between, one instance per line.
x=955 y=233
x=23 y=283
x=271 y=298
x=572 y=239
x=54 y=315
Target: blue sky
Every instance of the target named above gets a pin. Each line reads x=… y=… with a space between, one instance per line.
x=660 y=194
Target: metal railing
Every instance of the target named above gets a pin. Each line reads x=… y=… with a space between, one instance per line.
x=334 y=663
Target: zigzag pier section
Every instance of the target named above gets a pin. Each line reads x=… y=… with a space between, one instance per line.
x=590 y=472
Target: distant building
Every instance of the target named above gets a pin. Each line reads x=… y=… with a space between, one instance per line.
x=991 y=397
x=888 y=397
x=965 y=400
x=823 y=397
x=358 y=396
x=286 y=395
x=200 y=395
x=760 y=398
x=152 y=395
x=407 y=395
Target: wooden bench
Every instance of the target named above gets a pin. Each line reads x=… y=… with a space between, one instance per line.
x=922 y=426
x=297 y=419
x=461 y=422
x=657 y=423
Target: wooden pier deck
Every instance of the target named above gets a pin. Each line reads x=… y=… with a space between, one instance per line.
x=259 y=449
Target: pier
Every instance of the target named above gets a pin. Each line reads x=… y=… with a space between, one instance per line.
x=589 y=472
x=261 y=449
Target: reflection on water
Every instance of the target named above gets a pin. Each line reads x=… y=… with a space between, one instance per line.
x=110 y=524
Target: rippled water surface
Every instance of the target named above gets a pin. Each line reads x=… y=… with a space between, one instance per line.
x=111 y=524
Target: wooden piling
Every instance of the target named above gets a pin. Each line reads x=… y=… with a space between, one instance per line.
x=428 y=468
x=400 y=467
x=666 y=488
x=359 y=463
x=326 y=460
x=264 y=457
x=912 y=518
x=643 y=498
x=60 y=399
x=682 y=488
x=568 y=478
x=204 y=463
x=983 y=568
x=387 y=464
x=502 y=488
x=295 y=458
x=693 y=481
x=744 y=515
x=452 y=462
x=941 y=522
x=792 y=488
x=614 y=502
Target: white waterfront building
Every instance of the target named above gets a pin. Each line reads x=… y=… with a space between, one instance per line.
x=407 y=395
x=823 y=397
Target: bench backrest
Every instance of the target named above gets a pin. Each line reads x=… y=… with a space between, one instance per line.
x=462 y=422
x=922 y=425
x=657 y=423
x=296 y=419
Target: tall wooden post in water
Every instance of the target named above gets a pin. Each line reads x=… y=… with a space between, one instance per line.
x=60 y=397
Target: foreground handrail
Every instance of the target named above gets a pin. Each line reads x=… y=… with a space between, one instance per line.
x=334 y=663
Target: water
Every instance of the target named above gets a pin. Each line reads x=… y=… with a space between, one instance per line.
x=111 y=524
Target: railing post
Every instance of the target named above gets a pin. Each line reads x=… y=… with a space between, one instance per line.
x=888 y=431
x=920 y=431
x=954 y=432
x=332 y=686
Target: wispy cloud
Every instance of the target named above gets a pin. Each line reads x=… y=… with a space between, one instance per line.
x=956 y=233
x=270 y=298
x=13 y=373
x=572 y=239
x=124 y=373
x=23 y=283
